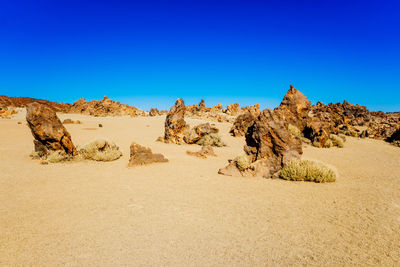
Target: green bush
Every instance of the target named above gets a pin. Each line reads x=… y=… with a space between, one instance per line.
x=211 y=140
x=101 y=150
x=306 y=170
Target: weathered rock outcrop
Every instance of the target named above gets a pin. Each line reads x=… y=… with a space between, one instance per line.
x=48 y=131
x=105 y=107
x=175 y=124
x=242 y=122
x=232 y=109
x=294 y=108
x=22 y=102
x=196 y=133
x=154 y=112
x=269 y=146
x=140 y=155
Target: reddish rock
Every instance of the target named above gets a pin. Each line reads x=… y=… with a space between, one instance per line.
x=242 y=122
x=140 y=155
x=269 y=146
x=175 y=125
x=194 y=134
x=22 y=102
x=294 y=108
x=47 y=129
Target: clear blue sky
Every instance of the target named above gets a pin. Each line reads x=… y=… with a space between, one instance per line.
x=148 y=53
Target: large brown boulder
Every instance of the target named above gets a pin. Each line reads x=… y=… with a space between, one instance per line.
x=140 y=155
x=269 y=146
x=175 y=125
x=47 y=129
x=196 y=133
x=294 y=107
x=269 y=138
x=242 y=122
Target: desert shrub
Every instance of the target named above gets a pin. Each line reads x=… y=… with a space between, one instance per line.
x=336 y=140
x=212 y=139
x=242 y=163
x=58 y=156
x=343 y=137
x=101 y=150
x=306 y=170
x=294 y=130
x=328 y=143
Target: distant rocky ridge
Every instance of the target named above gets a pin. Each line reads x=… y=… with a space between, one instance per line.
x=22 y=102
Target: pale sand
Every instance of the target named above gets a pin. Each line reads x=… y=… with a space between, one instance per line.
x=184 y=213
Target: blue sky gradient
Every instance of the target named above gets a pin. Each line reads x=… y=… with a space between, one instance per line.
x=148 y=53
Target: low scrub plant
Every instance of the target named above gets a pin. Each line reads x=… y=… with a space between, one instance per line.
x=242 y=163
x=212 y=139
x=306 y=170
x=58 y=156
x=336 y=140
x=101 y=150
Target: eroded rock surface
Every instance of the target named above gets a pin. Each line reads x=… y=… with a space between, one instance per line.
x=140 y=155
x=47 y=129
x=175 y=124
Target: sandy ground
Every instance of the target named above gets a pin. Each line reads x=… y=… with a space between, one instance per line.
x=183 y=213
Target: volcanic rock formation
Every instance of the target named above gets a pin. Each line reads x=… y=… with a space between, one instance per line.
x=48 y=131
x=140 y=155
x=175 y=125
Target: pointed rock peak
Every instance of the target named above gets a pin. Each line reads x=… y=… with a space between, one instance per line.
x=202 y=103
x=294 y=99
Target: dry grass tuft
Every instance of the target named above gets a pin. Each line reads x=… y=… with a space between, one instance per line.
x=294 y=131
x=306 y=170
x=101 y=150
x=336 y=140
x=58 y=156
x=211 y=140
x=242 y=163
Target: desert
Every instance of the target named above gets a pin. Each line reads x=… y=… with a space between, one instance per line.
x=181 y=211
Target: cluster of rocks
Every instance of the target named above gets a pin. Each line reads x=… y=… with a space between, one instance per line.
x=105 y=107
x=177 y=131
x=217 y=113
x=155 y=112
x=52 y=141
x=6 y=112
x=317 y=123
x=269 y=146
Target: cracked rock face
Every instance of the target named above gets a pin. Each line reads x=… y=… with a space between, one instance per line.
x=48 y=131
